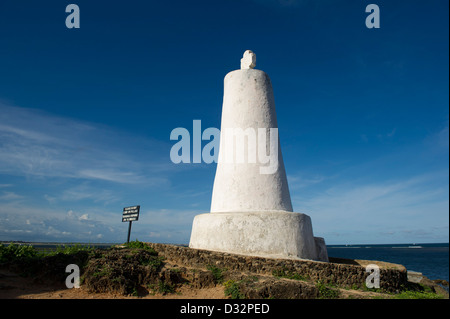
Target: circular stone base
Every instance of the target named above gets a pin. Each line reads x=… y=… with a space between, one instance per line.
x=277 y=234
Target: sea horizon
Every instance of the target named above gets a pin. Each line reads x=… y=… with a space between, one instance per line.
x=362 y=245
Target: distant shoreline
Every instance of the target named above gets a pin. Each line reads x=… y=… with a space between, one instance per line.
x=183 y=244
x=394 y=245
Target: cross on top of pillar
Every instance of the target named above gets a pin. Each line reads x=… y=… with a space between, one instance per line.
x=248 y=61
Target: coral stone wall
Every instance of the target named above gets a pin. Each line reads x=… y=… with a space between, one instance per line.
x=340 y=272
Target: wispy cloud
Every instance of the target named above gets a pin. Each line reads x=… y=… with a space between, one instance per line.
x=401 y=207
x=111 y=175
x=85 y=191
x=438 y=143
x=22 y=221
x=403 y=192
x=9 y=196
x=25 y=222
x=380 y=137
x=165 y=225
x=71 y=177
x=33 y=143
x=302 y=180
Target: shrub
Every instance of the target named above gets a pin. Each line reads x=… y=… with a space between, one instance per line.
x=14 y=252
x=71 y=249
x=326 y=292
x=418 y=295
x=232 y=290
x=217 y=273
x=285 y=273
x=140 y=245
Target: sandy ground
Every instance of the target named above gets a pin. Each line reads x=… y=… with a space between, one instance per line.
x=12 y=286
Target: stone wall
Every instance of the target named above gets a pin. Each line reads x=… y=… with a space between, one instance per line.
x=340 y=272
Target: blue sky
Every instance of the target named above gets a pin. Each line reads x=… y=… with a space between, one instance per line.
x=86 y=114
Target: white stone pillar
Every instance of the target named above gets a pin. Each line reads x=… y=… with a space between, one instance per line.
x=251 y=210
x=249 y=111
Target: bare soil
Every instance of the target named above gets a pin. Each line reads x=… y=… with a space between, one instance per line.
x=13 y=286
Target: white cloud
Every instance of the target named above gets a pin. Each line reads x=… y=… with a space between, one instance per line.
x=84 y=191
x=33 y=143
x=110 y=175
x=302 y=180
x=23 y=222
x=84 y=217
x=49 y=198
x=400 y=207
x=70 y=214
x=164 y=225
x=9 y=196
x=75 y=174
x=438 y=143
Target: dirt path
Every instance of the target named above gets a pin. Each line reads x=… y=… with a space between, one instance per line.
x=12 y=286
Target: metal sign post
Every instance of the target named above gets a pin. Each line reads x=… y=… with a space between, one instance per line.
x=129 y=231
x=130 y=214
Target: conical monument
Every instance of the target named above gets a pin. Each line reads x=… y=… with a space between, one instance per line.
x=251 y=209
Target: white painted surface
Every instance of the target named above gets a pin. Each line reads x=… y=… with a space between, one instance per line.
x=321 y=249
x=251 y=213
x=248 y=61
x=248 y=102
x=266 y=234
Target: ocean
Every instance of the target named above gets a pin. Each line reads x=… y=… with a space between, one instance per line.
x=432 y=260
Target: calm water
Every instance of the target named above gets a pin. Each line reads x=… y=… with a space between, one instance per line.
x=432 y=260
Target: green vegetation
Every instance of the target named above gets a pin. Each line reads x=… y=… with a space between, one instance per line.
x=71 y=249
x=326 y=291
x=27 y=261
x=136 y=244
x=232 y=290
x=408 y=294
x=161 y=287
x=418 y=291
x=165 y=288
x=285 y=273
x=105 y=270
x=15 y=252
x=154 y=262
x=217 y=273
x=133 y=268
x=411 y=291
